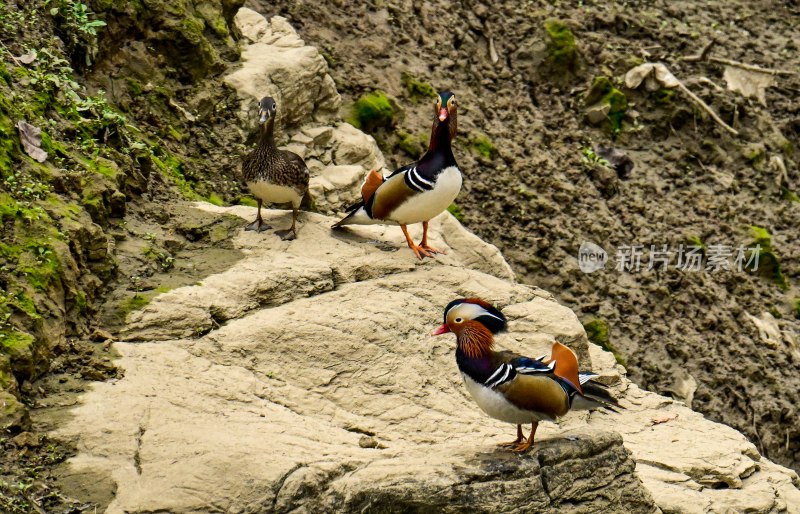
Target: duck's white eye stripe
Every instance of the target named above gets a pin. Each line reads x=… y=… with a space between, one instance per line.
x=473 y=311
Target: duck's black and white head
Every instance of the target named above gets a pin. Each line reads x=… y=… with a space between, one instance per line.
x=474 y=322
x=267 y=108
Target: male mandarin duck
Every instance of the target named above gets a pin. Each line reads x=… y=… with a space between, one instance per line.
x=273 y=175
x=417 y=192
x=513 y=388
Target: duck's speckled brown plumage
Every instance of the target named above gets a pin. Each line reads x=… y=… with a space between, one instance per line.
x=279 y=167
x=272 y=175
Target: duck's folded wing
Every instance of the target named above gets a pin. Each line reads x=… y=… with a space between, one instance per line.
x=536 y=393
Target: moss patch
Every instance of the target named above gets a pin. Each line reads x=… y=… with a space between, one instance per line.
x=767 y=260
x=562 y=49
x=411 y=145
x=247 y=200
x=417 y=90
x=482 y=145
x=371 y=111
x=133 y=303
x=455 y=210
x=603 y=91
x=597 y=332
x=215 y=199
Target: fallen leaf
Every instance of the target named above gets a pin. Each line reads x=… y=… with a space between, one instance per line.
x=31 y=138
x=751 y=84
x=662 y=75
x=664 y=418
x=27 y=58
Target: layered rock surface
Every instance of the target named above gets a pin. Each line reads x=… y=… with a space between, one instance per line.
x=304 y=378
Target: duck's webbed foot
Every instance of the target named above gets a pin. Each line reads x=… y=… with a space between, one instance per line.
x=287 y=235
x=511 y=444
x=258 y=226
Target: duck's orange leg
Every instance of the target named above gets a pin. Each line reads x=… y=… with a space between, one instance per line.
x=424 y=243
x=516 y=442
x=525 y=446
x=418 y=250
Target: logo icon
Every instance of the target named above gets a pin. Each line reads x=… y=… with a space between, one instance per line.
x=591 y=257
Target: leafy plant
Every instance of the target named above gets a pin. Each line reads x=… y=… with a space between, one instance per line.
x=590 y=158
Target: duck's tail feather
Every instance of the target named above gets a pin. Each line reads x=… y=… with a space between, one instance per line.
x=353 y=213
x=357 y=213
x=595 y=396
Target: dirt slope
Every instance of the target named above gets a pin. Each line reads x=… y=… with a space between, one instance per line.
x=522 y=132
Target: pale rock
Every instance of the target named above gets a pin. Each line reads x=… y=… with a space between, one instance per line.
x=351 y=146
x=309 y=346
x=277 y=63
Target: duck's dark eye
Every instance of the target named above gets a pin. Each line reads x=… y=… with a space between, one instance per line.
x=273 y=107
x=459 y=320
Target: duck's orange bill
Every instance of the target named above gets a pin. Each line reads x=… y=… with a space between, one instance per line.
x=441 y=330
x=443 y=114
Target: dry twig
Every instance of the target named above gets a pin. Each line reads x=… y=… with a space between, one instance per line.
x=703 y=56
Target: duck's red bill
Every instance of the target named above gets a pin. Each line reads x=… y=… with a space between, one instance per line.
x=441 y=330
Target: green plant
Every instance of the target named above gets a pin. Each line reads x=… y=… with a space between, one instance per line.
x=697 y=242
x=598 y=333
x=797 y=308
x=767 y=259
x=590 y=158
x=455 y=210
x=76 y=14
x=371 y=111
x=603 y=90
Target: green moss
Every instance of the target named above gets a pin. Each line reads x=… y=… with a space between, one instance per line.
x=7 y=380
x=754 y=153
x=598 y=333
x=409 y=144
x=215 y=199
x=788 y=194
x=455 y=210
x=176 y=134
x=603 y=90
x=17 y=345
x=561 y=46
x=797 y=308
x=39 y=266
x=135 y=87
x=80 y=302
x=697 y=241
x=175 y=169
x=664 y=96
x=25 y=303
x=767 y=259
x=417 y=90
x=9 y=208
x=525 y=193
x=133 y=303
x=371 y=111
x=483 y=146
x=247 y=200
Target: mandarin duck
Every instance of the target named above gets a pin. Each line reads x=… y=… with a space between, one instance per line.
x=272 y=175
x=417 y=192
x=513 y=388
